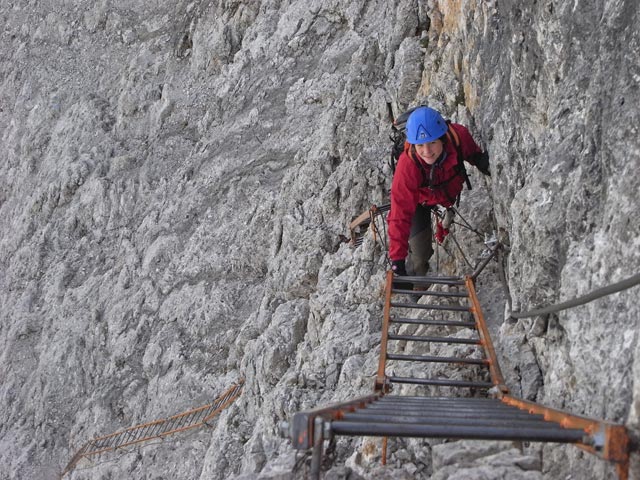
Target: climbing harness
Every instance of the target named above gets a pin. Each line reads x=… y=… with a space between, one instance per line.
x=376 y=216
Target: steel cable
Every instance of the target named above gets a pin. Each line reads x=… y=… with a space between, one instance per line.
x=598 y=293
x=453 y=237
x=383 y=235
x=466 y=224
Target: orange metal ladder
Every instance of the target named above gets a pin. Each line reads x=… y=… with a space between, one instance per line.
x=159 y=429
x=496 y=415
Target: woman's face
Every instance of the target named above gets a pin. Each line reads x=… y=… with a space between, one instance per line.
x=429 y=152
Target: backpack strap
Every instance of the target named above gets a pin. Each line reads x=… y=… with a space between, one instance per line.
x=398 y=146
x=453 y=137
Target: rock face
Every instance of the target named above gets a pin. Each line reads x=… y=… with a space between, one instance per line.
x=175 y=180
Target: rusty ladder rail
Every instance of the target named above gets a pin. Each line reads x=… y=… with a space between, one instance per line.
x=496 y=416
x=197 y=417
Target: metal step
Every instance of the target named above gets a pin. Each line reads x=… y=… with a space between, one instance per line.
x=450 y=340
x=429 y=292
x=343 y=427
x=444 y=323
x=452 y=413
x=440 y=382
x=438 y=400
x=457 y=406
x=360 y=416
x=428 y=280
x=433 y=359
x=453 y=308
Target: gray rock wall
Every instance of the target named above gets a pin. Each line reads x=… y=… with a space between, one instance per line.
x=176 y=177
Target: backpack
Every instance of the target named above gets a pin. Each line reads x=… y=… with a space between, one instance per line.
x=399 y=138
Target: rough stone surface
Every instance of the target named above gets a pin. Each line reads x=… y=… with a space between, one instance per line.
x=176 y=178
x=483 y=460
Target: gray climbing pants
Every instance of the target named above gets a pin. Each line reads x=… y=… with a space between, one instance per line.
x=420 y=247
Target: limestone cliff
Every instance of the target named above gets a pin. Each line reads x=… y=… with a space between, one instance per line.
x=176 y=177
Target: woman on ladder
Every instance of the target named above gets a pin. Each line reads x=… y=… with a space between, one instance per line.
x=430 y=172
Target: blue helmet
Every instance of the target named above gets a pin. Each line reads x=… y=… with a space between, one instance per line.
x=425 y=125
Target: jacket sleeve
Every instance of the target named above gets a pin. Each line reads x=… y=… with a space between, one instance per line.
x=467 y=144
x=404 y=200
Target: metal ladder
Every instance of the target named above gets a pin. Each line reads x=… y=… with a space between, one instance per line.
x=463 y=292
x=158 y=429
x=494 y=416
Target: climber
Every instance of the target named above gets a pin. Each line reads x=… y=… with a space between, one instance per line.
x=430 y=172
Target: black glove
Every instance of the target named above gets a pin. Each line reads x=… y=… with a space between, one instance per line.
x=481 y=161
x=400 y=270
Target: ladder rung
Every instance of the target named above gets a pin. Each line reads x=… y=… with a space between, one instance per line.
x=453 y=308
x=428 y=280
x=438 y=400
x=398 y=417
x=440 y=382
x=451 y=340
x=454 y=413
x=454 y=406
x=429 y=358
x=429 y=292
x=341 y=427
x=418 y=321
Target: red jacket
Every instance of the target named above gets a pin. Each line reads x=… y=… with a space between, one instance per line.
x=407 y=193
